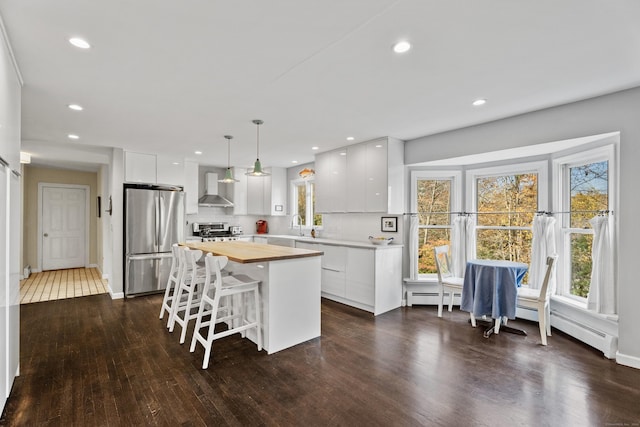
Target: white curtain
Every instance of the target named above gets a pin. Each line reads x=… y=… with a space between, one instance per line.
x=413 y=247
x=470 y=240
x=542 y=245
x=458 y=246
x=463 y=243
x=602 y=297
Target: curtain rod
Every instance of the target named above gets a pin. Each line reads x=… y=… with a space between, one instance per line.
x=600 y=212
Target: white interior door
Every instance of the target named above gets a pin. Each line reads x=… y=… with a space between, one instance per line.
x=63 y=227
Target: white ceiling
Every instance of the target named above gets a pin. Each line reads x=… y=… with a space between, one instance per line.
x=174 y=77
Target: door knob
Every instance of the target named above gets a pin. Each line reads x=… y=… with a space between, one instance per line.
x=46 y=234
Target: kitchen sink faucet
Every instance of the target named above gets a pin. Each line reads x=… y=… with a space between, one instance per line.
x=293 y=223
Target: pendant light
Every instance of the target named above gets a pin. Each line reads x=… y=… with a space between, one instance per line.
x=257 y=166
x=228 y=175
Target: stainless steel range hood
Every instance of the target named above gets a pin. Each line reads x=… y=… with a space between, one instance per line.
x=211 y=197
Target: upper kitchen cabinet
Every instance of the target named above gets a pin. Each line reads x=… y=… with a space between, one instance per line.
x=267 y=195
x=368 y=177
x=139 y=167
x=240 y=191
x=191 y=187
x=10 y=88
x=330 y=177
x=153 y=169
x=169 y=170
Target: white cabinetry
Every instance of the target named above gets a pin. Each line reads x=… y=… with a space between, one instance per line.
x=369 y=178
x=330 y=181
x=266 y=195
x=366 y=278
x=139 y=167
x=333 y=279
x=361 y=275
x=240 y=192
x=153 y=169
x=10 y=221
x=169 y=170
x=191 y=187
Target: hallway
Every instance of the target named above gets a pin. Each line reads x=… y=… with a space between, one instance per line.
x=61 y=284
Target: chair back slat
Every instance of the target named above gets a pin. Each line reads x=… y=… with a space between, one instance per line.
x=441 y=254
x=545 y=290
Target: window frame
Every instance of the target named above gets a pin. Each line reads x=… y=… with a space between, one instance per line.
x=310 y=210
x=455 y=176
x=541 y=168
x=562 y=203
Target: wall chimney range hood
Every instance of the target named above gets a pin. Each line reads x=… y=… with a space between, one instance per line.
x=211 y=197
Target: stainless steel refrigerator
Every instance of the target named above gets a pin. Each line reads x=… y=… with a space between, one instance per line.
x=153 y=222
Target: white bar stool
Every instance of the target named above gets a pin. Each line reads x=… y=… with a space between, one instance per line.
x=188 y=295
x=172 y=283
x=216 y=288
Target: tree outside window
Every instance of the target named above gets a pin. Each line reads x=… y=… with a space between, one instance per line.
x=304 y=202
x=433 y=207
x=506 y=205
x=588 y=194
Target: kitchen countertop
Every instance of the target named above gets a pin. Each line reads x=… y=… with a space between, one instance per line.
x=335 y=242
x=247 y=252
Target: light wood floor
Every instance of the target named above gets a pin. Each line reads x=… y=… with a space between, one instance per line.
x=61 y=284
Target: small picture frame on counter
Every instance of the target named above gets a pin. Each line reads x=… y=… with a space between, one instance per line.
x=389 y=223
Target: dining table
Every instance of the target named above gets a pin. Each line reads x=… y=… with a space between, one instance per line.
x=490 y=289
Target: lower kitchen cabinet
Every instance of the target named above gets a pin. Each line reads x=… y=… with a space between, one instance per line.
x=366 y=278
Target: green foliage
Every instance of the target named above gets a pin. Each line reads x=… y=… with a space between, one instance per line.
x=580 y=264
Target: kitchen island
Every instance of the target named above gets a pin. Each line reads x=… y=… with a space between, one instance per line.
x=289 y=288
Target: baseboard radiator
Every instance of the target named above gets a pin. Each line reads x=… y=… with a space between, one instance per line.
x=604 y=341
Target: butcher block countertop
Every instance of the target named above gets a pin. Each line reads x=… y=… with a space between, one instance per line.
x=246 y=252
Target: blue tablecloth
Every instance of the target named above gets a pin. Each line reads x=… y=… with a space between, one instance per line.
x=491 y=287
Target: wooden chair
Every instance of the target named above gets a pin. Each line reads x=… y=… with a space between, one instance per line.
x=539 y=299
x=446 y=281
x=234 y=289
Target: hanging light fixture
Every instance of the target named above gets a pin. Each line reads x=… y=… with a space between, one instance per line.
x=257 y=166
x=228 y=175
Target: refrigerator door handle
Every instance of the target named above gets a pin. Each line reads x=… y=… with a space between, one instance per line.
x=148 y=256
x=158 y=207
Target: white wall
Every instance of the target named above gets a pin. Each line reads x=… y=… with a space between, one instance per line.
x=608 y=113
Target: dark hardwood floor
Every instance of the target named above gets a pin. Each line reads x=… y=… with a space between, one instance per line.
x=92 y=361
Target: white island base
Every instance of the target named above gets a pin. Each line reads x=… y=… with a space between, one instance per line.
x=290 y=295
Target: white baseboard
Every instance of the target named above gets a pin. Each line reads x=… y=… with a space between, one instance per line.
x=626 y=360
x=115 y=295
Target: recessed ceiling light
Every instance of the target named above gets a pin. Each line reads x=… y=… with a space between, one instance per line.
x=198 y=152
x=75 y=107
x=350 y=138
x=402 y=46
x=479 y=102
x=315 y=148
x=78 y=42
x=175 y=163
x=294 y=161
x=343 y=153
x=73 y=136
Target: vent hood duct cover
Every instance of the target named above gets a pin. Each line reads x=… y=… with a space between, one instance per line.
x=211 y=197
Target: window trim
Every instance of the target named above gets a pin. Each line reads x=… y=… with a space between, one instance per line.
x=310 y=212
x=539 y=167
x=455 y=176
